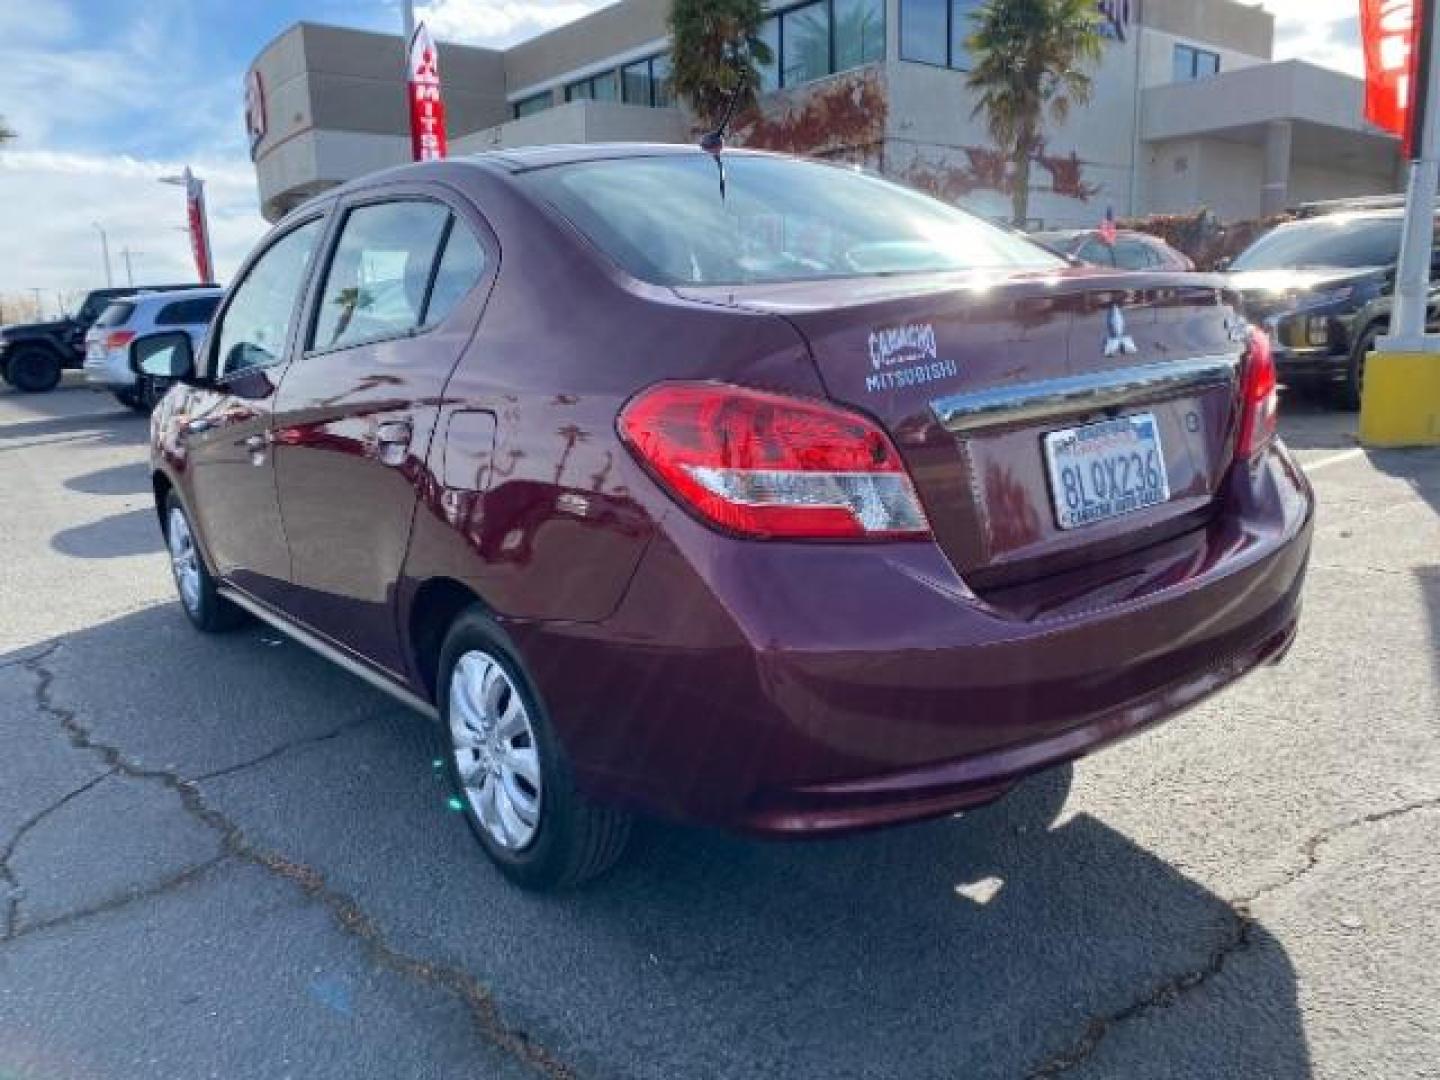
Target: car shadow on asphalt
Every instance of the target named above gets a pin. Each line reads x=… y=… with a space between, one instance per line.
x=132 y=479
x=1004 y=943
x=134 y=532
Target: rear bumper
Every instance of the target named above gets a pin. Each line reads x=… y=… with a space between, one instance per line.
x=109 y=370
x=804 y=689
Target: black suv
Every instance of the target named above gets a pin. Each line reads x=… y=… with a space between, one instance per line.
x=32 y=355
x=1323 y=287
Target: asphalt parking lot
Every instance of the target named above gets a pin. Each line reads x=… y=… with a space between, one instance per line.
x=223 y=857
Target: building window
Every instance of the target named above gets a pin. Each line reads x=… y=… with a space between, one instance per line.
x=935 y=31
x=602 y=87
x=811 y=40
x=647 y=82
x=1192 y=63
x=533 y=104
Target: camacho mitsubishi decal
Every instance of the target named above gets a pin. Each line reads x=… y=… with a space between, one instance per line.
x=904 y=356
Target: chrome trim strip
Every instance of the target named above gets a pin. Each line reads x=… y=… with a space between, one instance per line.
x=1025 y=403
x=329 y=652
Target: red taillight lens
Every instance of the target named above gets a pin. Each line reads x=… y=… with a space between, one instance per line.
x=1260 y=398
x=118 y=339
x=768 y=466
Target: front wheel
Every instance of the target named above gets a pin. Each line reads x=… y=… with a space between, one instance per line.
x=509 y=772
x=1349 y=392
x=204 y=606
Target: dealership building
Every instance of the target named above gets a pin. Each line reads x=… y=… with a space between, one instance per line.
x=1189 y=107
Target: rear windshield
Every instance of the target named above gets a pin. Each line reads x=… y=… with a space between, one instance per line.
x=188 y=312
x=115 y=315
x=663 y=219
x=1339 y=241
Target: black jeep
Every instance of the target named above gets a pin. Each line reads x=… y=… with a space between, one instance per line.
x=32 y=355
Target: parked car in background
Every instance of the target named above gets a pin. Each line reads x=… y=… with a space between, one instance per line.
x=107 y=344
x=1130 y=251
x=34 y=355
x=799 y=506
x=1324 y=287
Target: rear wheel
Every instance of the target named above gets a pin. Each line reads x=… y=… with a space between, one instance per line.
x=33 y=369
x=206 y=608
x=130 y=398
x=509 y=773
x=1349 y=392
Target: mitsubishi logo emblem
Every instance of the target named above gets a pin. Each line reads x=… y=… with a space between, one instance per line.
x=1118 y=343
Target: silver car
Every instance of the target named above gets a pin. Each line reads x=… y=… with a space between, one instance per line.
x=107 y=345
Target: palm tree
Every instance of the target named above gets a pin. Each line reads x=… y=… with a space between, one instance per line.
x=714 y=43
x=1029 y=56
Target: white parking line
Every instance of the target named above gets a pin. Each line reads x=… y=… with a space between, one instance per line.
x=1334 y=459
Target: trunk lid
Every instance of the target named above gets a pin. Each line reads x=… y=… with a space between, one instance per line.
x=969 y=374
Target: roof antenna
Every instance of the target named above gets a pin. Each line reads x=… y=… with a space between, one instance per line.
x=713 y=143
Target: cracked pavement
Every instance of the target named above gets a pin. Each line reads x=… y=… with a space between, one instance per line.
x=224 y=857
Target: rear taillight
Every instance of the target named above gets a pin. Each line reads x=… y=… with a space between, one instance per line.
x=1259 y=399
x=768 y=466
x=118 y=339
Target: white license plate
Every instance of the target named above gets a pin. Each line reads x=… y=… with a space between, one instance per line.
x=1106 y=470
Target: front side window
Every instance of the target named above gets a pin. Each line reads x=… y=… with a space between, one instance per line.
x=664 y=221
x=257 y=323
x=376 y=283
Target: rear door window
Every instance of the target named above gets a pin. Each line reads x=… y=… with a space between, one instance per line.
x=380 y=273
x=461 y=267
x=188 y=312
x=115 y=315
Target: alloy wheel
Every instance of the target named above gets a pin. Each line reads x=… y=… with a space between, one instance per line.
x=184 y=560
x=496 y=756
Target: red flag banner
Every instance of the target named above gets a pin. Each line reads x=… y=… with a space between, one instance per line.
x=1389 y=31
x=427 y=107
x=199 y=227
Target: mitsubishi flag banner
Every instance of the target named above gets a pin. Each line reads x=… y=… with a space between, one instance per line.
x=199 y=226
x=1389 y=29
x=427 y=108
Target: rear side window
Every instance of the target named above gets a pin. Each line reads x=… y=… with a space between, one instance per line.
x=377 y=280
x=115 y=315
x=256 y=325
x=461 y=267
x=188 y=312
x=1132 y=255
x=1097 y=252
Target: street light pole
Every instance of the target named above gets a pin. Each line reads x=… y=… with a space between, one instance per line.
x=105 y=252
x=408 y=7
x=127 y=254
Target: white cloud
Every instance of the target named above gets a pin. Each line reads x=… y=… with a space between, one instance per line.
x=496 y=23
x=48 y=201
x=1324 y=32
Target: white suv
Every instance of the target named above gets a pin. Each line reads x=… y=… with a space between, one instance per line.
x=107 y=345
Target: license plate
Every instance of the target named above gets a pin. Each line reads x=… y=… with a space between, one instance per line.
x=1106 y=470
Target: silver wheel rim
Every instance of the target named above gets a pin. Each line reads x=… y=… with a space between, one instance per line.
x=184 y=560
x=495 y=751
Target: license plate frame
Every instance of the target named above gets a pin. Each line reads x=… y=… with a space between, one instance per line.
x=1093 y=469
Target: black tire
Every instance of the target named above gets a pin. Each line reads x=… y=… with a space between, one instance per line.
x=1348 y=393
x=5 y=372
x=130 y=398
x=33 y=369
x=207 y=610
x=575 y=839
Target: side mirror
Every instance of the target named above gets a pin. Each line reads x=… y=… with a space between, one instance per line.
x=163 y=356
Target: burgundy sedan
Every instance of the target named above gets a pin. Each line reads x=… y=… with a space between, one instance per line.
x=801 y=507
x=1128 y=251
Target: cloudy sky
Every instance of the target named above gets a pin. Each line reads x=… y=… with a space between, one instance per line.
x=110 y=95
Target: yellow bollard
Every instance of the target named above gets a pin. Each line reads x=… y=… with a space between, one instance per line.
x=1400 y=404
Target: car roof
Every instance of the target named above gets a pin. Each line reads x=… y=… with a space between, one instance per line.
x=164 y=296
